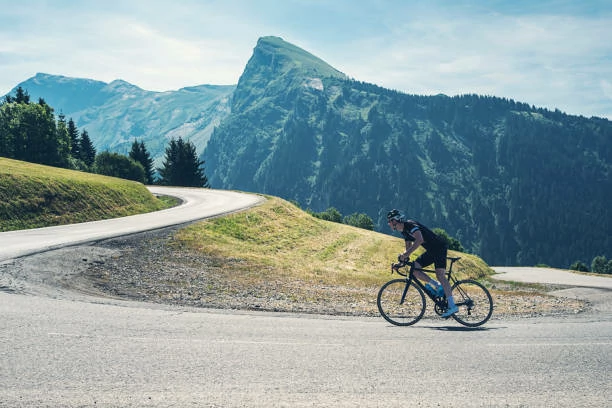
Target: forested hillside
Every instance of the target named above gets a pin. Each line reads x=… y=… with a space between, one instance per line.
x=515 y=184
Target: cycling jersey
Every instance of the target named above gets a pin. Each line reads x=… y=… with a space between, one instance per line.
x=431 y=240
x=435 y=247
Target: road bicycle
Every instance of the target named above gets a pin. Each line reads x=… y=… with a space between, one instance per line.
x=402 y=301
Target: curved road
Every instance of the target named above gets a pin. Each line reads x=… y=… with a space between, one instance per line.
x=197 y=204
x=86 y=352
x=596 y=289
x=551 y=275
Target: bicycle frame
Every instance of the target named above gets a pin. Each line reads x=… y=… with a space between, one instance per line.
x=399 y=305
x=410 y=278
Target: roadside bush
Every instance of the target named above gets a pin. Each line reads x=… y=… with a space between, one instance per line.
x=452 y=243
x=579 y=266
x=116 y=165
x=359 y=221
x=331 y=214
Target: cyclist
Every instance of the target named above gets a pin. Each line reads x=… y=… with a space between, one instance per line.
x=415 y=235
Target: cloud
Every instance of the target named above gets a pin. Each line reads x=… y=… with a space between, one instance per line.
x=550 y=61
x=157 y=48
x=554 y=54
x=606 y=87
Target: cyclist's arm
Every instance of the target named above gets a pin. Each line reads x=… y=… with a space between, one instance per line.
x=412 y=246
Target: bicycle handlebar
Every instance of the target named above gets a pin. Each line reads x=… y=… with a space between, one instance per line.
x=400 y=264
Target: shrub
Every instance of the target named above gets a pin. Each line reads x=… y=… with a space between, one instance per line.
x=579 y=266
x=451 y=243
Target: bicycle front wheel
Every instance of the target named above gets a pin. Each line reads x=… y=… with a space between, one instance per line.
x=474 y=302
x=401 y=303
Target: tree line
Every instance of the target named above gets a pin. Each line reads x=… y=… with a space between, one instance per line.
x=599 y=265
x=361 y=220
x=30 y=132
x=358 y=220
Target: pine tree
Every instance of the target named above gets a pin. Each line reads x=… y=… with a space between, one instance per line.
x=75 y=140
x=22 y=96
x=140 y=154
x=87 y=150
x=62 y=139
x=181 y=166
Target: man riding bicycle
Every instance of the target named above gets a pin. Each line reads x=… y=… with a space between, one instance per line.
x=415 y=235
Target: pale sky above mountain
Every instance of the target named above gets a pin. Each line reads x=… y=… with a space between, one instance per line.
x=555 y=54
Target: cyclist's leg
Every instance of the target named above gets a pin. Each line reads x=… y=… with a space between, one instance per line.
x=421 y=262
x=440 y=263
x=441 y=275
x=439 y=260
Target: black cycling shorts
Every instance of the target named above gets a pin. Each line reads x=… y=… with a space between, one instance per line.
x=436 y=256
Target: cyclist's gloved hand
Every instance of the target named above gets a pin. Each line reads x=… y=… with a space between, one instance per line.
x=402 y=258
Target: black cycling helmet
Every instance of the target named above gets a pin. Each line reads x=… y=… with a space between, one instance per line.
x=394 y=215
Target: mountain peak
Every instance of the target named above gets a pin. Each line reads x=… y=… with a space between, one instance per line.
x=64 y=93
x=284 y=56
x=42 y=78
x=278 y=66
x=121 y=86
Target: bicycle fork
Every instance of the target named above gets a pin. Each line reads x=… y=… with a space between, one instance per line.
x=408 y=283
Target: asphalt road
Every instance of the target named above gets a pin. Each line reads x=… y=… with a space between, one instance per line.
x=551 y=275
x=64 y=353
x=596 y=289
x=68 y=350
x=197 y=204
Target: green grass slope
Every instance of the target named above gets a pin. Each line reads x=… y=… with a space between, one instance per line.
x=277 y=240
x=33 y=195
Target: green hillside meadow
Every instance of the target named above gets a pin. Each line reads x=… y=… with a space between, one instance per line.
x=278 y=241
x=33 y=196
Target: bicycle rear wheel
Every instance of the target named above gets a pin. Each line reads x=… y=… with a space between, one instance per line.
x=400 y=303
x=474 y=302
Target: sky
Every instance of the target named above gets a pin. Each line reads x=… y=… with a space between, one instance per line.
x=555 y=54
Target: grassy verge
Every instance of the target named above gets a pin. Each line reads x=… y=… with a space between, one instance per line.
x=33 y=195
x=277 y=240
